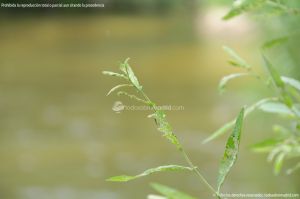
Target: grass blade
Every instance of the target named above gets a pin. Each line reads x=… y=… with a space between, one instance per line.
x=227 y=78
x=231 y=150
x=125 y=178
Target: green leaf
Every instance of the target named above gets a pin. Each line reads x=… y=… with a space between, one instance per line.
x=132 y=97
x=117 y=87
x=170 y=193
x=133 y=79
x=125 y=178
x=241 y=6
x=274 y=42
x=164 y=127
x=273 y=73
x=226 y=127
x=293 y=169
x=156 y=197
x=231 y=150
x=227 y=78
x=278 y=163
x=276 y=107
x=265 y=146
x=237 y=60
x=114 y=74
x=291 y=82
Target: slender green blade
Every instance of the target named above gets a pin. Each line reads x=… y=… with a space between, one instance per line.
x=117 y=87
x=242 y=6
x=273 y=73
x=231 y=150
x=265 y=145
x=275 y=42
x=170 y=193
x=125 y=178
x=109 y=73
x=276 y=107
x=292 y=82
x=133 y=79
x=226 y=79
x=237 y=60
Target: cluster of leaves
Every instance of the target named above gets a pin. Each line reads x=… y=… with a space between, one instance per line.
x=230 y=153
x=284 y=145
x=286 y=142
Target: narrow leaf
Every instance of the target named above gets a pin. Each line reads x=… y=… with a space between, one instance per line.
x=237 y=60
x=231 y=150
x=278 y=163
x=132 y=97
x=227 y=78
x=276 y=107
x=226 y=127
x=293 y=169
x=117 y=87
x=292 y=82
x=133 y=79
x=241 y=6
x=265 y=146
x=170 y=193
x=274 y=42
x=125 y=178
x=114 y=74
x=273 y=73
x=156 y=197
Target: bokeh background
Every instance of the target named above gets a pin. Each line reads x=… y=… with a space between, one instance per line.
x=60 y=138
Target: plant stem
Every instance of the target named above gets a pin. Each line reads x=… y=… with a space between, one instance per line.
x=186 y=157
x=190 y=163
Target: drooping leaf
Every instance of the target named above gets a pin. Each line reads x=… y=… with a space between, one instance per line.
x=114 y=74
x=227 y=78
x=274 y=42
x=133 y=79
x=292 y=82
x=276 y=107
x=231 y=150
x=170 y=193
x=125 y=178
x=226 y=127
x=237 y=60
x=117 y=87
x=241 y=6
x=273 y=73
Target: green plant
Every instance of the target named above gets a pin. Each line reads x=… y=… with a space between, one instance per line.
x=165 y=128
x=286 y=143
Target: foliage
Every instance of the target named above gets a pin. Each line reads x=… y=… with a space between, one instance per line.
x=286 y=102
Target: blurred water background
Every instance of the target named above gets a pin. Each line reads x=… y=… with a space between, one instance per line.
x=60 y=138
